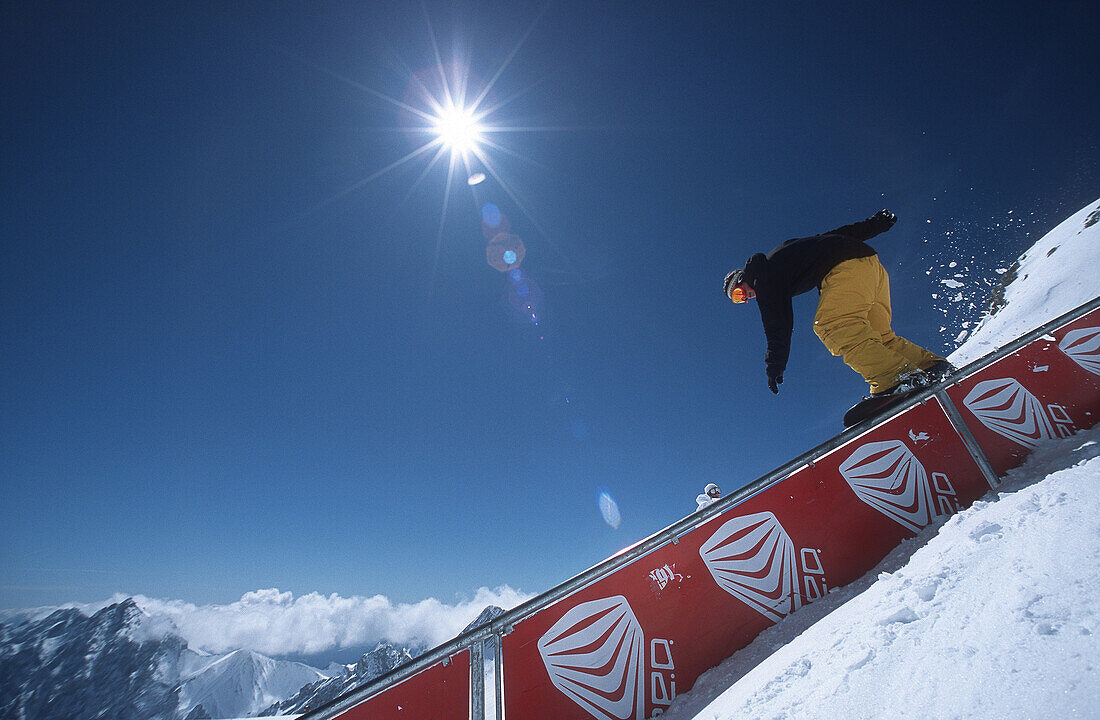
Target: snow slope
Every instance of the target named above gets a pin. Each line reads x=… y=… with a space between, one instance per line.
x=992 y=614
x=1057 y=274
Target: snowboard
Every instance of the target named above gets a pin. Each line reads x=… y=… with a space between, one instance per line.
x=872 y=406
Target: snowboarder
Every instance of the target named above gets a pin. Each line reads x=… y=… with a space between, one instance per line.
x=853 y=310
x=709 y=496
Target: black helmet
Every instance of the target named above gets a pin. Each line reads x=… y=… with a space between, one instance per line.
x=734 y=278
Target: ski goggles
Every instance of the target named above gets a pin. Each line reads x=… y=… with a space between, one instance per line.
x=740 y=294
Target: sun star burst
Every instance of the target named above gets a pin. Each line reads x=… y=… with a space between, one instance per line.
x=458 y=129
x=446 y=103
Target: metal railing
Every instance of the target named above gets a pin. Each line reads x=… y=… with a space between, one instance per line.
x=474 y=640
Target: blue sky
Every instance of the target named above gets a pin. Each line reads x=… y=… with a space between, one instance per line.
x=229 y=363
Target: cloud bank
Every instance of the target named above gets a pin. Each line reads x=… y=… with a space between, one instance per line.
x=273 y=622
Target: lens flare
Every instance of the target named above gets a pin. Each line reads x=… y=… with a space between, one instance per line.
x=525 y=300
x=609 y=509
x=490 y=215
x=493 y=221
x=505 y=252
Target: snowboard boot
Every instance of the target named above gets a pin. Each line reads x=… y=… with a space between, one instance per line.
x=910 y=381
x=938 y=371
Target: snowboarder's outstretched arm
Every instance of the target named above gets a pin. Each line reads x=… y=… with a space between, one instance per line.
x=777 y=315
x=864 y=230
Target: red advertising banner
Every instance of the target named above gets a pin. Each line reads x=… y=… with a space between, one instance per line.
x=1049 y=388
x=624 y=646
x=438 y=692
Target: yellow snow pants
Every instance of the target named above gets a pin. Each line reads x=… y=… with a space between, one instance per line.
x=853 y=320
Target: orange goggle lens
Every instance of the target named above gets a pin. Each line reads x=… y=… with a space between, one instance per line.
x=738 y=295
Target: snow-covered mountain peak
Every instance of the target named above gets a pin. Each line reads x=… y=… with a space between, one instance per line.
x=242 y=682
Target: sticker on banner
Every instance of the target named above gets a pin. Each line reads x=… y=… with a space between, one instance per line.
x=662 y=576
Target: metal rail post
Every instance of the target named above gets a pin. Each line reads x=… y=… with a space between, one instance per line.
x=498 y=674
x=477 y=680
x=971 y=442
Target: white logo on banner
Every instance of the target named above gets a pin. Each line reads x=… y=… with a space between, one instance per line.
x=1083 y=347
x=662 y=678
x=1008 y=409
x=596 y=655
x=889 y=477
x=753 y=559
x=665 y=574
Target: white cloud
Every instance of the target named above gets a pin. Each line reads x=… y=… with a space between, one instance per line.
x=277 y=623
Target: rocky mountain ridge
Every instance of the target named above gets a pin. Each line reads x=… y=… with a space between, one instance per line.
x=69 y=665
x=377 y=662
x=124 y=664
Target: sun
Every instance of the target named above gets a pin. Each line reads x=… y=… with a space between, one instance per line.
x=454 y=122
x=458 y=129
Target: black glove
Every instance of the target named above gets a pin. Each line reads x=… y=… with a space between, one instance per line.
x=886 y=215
x=775 y=379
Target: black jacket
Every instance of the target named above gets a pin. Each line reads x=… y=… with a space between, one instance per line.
x=798 y=266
